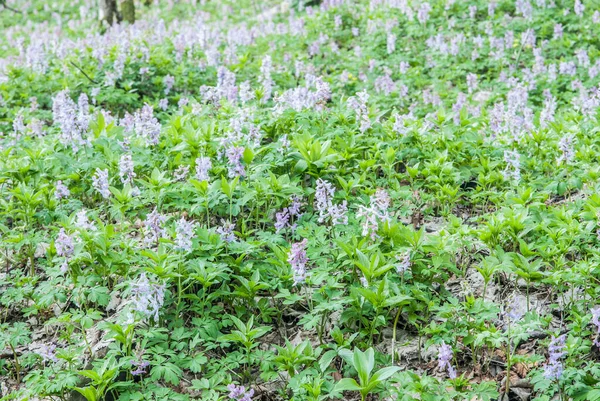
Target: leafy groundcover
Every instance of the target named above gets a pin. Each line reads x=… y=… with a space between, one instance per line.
x=346 y=199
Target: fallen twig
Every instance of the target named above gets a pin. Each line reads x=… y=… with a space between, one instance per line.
x=83 y=72
x=3 y=4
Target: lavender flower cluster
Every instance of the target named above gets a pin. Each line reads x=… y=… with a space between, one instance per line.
x=65 y=247
x=554 y=368
x=72 y=119
x=324 y=194
x=297 y=259
x=184 y=234
x=153 y=228
x=147 y=298
x=239 y=393
x=375 y=213
x=289 y=216
x=445 y=356
x=225 y=231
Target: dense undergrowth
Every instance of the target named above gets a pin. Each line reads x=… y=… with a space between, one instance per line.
x=383 y=199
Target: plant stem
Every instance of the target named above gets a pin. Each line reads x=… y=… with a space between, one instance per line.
x=17 y=365
x=507 y=387
x=394 y=334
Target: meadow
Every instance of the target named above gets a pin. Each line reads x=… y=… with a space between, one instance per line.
x=300 y=200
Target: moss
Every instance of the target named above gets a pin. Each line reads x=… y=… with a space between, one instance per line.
x=128 y=11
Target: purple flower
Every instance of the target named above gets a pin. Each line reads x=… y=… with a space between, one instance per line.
x=514 y=311
x=294 y=208
x=126 y=169
x=239 y=393
x=147 y=297
x=384 y=84
x=153 y=228
x=423 y=12
x=226 y=88
x=471 y=82
x=444 y=360
x=567 y=68
x=325 y=207
x=281 y=220
x=61 y=190
x=558 y=31
x=579 y=8
x=163 y=104
x=285 y=143
x=461 y=99
x=146 y=125
x=182 y=102
x=64 y=244
x=513 y=168
x=596 y=322
x=225 y=231
x=184 y=232
x=18 y=125
x=94 y=93
x=246 y=93
x=140 y=367
x=554 y=369
x=398 y=126
x=359 y=104
x=203 y=165
x=181 y=173
x=100 y=182
x=265 y=78
x=302 y=97
x=36 y=127
x=297 y=259
x=168 y=81
x=391 y=43
x=524 y=8
x=403 y=262
x=71 y=118
x=286 y=217
x=370 y=225
x=33 y=103
x=381 y=201
x=566 y=147
x=376 y=212
x=337 y=20
x=547 y=113
x=338 y=213
x=82 y=222
x=234 y=156
x=47 y=352
x=65 y=247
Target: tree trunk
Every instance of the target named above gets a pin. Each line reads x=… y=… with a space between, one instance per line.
x=128 y=11
x=108 y=11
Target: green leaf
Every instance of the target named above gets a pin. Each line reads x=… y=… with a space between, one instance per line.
x=346 y=385
x=248 y=155
x=364 y=363
x=397 y=300
x=326 y=359
x=167 y=371
x=90 y=374
x=197 y=362
x=384 y=373
x=90 y=393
